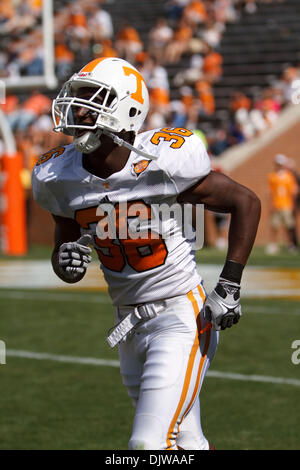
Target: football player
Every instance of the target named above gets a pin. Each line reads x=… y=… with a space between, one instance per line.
x=101 y=191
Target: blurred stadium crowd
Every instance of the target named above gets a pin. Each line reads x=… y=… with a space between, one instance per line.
x=83 y=28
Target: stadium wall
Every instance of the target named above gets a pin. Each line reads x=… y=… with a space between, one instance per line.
x=250 y=163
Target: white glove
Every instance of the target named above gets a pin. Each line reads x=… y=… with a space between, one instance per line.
x=74 y=257
x=222 y=306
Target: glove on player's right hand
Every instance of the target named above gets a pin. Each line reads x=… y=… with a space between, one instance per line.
x=74 y=257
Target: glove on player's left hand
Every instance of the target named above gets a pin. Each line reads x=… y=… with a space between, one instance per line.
x=222 y=306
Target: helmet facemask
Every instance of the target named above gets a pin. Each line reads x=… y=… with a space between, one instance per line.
x=117 y=101
x=98 y=106
x=101 y=104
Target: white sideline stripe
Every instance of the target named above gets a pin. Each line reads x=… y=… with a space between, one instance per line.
x=114 y=363
x=56 y=297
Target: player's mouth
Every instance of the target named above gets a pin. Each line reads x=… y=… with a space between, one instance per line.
x=80 y=132
x=87 y=121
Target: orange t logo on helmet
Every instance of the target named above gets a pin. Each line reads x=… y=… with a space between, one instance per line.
x=137 y=95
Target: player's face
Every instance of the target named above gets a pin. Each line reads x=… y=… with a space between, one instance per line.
x=83 y=115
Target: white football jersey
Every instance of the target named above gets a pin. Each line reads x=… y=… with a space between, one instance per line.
x=138 y=266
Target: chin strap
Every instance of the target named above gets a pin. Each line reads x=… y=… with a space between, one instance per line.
x=122 y=143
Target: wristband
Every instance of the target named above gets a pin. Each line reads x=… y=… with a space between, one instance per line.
x=232 y=271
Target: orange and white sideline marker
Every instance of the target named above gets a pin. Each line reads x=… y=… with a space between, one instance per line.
x=14 y=239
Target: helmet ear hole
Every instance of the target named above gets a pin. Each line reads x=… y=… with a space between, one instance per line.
x=132 y=112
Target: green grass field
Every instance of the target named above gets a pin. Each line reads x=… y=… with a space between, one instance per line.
x=46 y=404
x=207 y=255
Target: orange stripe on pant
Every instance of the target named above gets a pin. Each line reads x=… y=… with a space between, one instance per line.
x=190 y=366
x=203 y=355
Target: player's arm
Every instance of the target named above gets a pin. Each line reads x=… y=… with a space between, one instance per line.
x=219 y=193
x=71 y=254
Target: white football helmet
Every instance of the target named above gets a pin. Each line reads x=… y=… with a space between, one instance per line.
x=120 y=102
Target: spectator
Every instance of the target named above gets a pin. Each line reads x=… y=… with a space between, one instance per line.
x=61 y=20
x=160 y=99
x=212 y=33
x=195 y=13
x=175 y=8
x=219 y=142
x=289 y=76
x=7 y=12
x=159 y=108
x=212 y=65
x=190 y=75
x=283 y=191
x=156 y=77
x=17 y=18
x=185 y=111
x=11 y=104
x=240 y=106
x=239 y=101
x=291 y=166
x=205 y=97
x=29 y=61
x=179 y=42
x=78 y=29
x=154 y=74
x=225 y=11
x=159 y=38
x=99 y=23
x=104 y=49
x=252 y=123
x=268 y=106
x=36 y=105
x=250 y=6
x=278 y=94
x=128 y=43
x=235 y=134
x=155 y=119
x=64 y=58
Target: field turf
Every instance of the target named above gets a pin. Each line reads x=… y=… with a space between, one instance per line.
x=207 y=255
x=50 y=404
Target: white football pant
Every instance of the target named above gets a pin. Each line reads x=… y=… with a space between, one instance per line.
x=163 y=365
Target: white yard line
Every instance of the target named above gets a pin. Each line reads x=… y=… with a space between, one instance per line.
x=253 y=378
x=59 y=358
x=114 y=363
